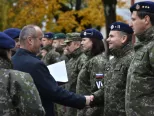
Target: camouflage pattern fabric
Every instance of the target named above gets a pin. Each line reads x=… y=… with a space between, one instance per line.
x=140 y=78
x=115 y=81
x=51 y=57
x=74 y=66
x=87 y=82
x=19 y=96
x=112 y=95
x=64 y=57
x=61 y=56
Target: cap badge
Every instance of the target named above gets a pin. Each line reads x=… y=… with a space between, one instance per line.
x=85 y=33
x=137 y=7
x=112 y=27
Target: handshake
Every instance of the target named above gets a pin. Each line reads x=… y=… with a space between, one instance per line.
x=89 y=99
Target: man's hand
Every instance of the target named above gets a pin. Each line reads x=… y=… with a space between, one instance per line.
x=89 y=99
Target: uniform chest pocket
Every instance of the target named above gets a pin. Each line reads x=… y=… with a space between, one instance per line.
x=118 y=67
x=139 y=56
x=107 y=67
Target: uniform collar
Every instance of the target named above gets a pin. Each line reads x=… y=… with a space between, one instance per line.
x=6 y=64
x=76 y=53
x=21 y=50
x=88 y=54
x=146 y=36
x=49 y=47
x=120 y=52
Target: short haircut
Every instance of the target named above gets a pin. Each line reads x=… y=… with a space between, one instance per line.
x=142 y=14
x=28 y=30
x=129 y=36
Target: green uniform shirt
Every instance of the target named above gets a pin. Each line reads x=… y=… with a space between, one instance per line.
x=140 y=78
x=18 y=93
x=87 y=82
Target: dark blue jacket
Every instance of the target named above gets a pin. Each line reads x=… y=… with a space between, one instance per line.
x=49 y=91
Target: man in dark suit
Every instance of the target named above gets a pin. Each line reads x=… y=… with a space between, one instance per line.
x=25 y=60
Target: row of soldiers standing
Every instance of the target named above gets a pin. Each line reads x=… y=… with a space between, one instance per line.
x=118 y=87
x=85 y=64
x=126 y=87
x=88 y=65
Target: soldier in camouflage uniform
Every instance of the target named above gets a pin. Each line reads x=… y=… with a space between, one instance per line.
x=52 y=56
x=74 y=65
x=91 y=74
x=140 y=78
x=19 y=96
x=44 y=51
x=58 y=44
x=113 y=93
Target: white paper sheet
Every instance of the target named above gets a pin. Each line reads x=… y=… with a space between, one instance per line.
x=58 y=71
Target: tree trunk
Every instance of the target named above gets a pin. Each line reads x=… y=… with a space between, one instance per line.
x=78 y=4
x=110 y=13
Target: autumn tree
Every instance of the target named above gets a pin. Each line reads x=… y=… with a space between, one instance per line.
x=110 y=12
x=4 y=6
x=57 y=15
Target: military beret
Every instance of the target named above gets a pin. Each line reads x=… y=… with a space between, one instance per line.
x=59 y=36
x=48 y=35
x=146 y=6
x=12 y=32
x=119 y=26
x=91 y=33
x=6 y=41
x=72 y=37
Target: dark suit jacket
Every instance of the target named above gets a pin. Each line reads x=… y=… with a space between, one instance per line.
x=49 y=91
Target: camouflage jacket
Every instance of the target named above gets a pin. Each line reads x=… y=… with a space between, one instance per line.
x=74 y=66
x=63 y=57
x=115 y=81
x=19 y=96
x=51 y=57
x=88 y=82
x=140 y=78
x=112 y=95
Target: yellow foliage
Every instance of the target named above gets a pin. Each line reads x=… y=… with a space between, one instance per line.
x=121 y=4
x=120 y=18
x=28 y=12
x=93 y=14
x=37 y=11
x=67 y=21
x=49 y=11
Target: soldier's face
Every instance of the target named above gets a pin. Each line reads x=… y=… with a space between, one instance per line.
x=46 y=41
x=86 y=44
x=57 y=43
x=115 y=40
x=138 y=25
x=70 y=47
